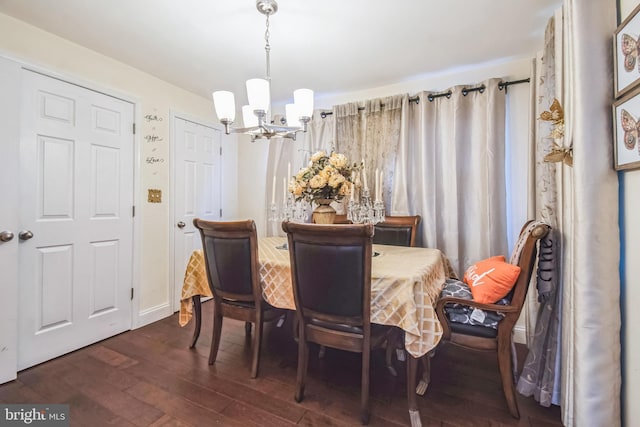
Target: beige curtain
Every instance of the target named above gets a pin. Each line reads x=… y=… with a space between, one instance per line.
x=591 y=291
x=320 y=136
x=451 y=170
x=581 y=203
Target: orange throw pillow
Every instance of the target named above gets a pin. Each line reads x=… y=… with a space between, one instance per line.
x=491 y=279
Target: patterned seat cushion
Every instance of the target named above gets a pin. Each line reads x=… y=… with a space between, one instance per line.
x=459 y=313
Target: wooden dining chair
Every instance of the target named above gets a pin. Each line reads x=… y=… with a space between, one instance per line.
x=231 y=261
x=341 y=219
x=486 y=337
x=397 y=231
x=338 y=219
x=331 y=276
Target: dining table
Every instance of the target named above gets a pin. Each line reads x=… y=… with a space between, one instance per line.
x=405 y=284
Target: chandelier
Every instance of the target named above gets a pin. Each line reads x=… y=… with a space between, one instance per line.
x=256 y=115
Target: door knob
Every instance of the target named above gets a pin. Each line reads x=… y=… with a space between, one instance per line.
x=6 y=236
x=181 y=224
x=25 y=235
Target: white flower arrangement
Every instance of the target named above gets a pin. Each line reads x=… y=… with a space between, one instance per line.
x=326 y=177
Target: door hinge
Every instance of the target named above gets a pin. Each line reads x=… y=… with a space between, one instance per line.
x=131 y=293
x=134 y=128
x=133 y=210
x=220 y=213
x=221 y=151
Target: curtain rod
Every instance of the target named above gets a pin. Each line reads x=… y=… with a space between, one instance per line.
x=465 y=91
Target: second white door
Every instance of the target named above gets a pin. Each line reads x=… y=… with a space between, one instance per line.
x=197 y=189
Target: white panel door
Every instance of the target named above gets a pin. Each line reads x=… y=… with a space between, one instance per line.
x=76 y=162
x=197 y=189
x=9 y=223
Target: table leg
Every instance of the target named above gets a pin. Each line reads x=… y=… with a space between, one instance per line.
x=412 y=373
x=197 y=313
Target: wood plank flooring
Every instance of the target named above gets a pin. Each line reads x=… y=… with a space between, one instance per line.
x=149 y=377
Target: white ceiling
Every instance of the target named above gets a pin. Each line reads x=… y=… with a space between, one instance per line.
x=330 y=46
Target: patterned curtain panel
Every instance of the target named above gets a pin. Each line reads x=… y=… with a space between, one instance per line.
x=541 y=373
x=370 y=131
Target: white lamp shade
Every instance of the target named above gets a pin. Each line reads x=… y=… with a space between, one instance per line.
x=258 y=94
x=303 y=98
x=225 y=105
x=249 y=119
x=293 y=117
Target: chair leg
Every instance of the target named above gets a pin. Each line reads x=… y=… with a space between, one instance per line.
x=294 y=327
x=303 y=353
x=423 y=384
x=257 y=341
x=412 y=379
x=217 y=331
x=321 y=352
x=197 y=314
x=364 y=392
x=506 y=374
x=514 y=360
x=392 y=345
x=247 y=328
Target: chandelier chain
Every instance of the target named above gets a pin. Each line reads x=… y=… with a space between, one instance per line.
x=260 y=125
x=267 y=48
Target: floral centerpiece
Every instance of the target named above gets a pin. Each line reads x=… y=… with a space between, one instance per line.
x=326 y=178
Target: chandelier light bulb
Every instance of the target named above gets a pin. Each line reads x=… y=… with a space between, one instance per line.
x=303 y=98
x=258 y=94
x=225 y=105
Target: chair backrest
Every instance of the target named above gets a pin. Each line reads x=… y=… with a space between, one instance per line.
x=331 y=271
x=397 y=231
x=524 y=255
x=231 y=258
x=341 y=219
x=474 y=335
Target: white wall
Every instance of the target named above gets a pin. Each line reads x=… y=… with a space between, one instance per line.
x=630 y=200
x=252 y=176
x=510 y=69
x=24 y=42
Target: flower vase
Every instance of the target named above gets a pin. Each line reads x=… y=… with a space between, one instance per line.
x=324 y=213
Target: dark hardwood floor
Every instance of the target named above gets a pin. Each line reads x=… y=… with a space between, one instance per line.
x=149 y=377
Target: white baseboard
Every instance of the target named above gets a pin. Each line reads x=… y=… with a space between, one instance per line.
x=153 y=314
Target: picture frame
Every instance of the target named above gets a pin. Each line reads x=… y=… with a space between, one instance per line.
x=626 y=53
x=626 y=131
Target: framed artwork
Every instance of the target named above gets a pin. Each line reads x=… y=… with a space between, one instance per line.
x=626 y=131
x=626 y=46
